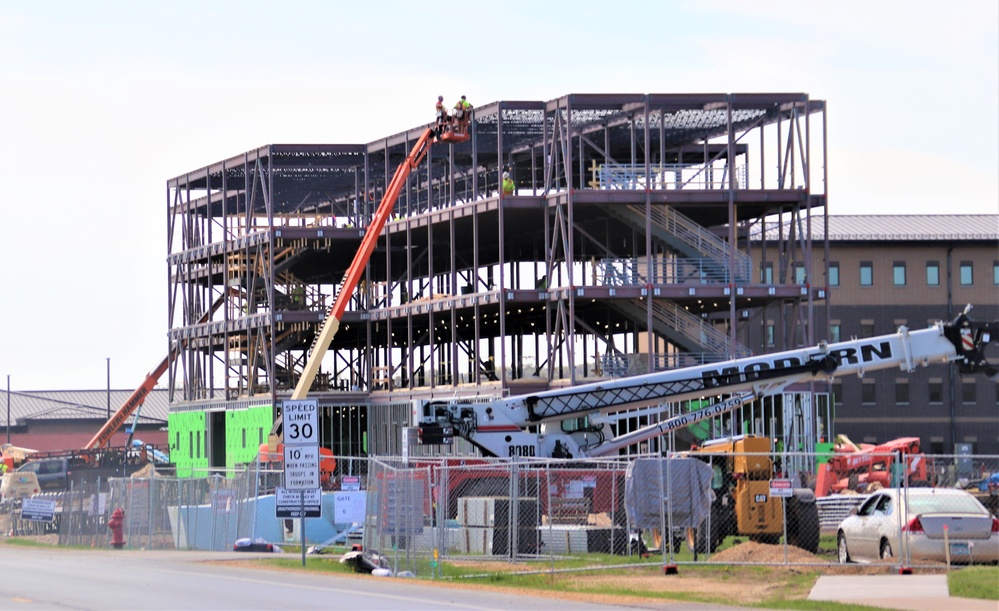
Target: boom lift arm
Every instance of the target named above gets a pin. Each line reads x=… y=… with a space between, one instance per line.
x=501 y=427
x=353 y=274
x=103 y=437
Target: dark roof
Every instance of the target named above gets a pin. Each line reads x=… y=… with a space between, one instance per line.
x=78 y=404
x=899 y=228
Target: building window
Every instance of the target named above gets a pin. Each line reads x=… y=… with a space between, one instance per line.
x=967 y=274
x=866 y=273
x=867 y=394
x=936 y=390
x=834 y=332
x=932 y=273
x=968 y=390
x=770 y=334
x=901 y=391
x=799 y=273
x=767 y=273
x=898 y=273
x=837 y=393
x=834 y=273
x=867 y=328
x=995 y=273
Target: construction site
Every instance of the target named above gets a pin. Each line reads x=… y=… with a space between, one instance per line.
x=622 y=249
x=483 y=335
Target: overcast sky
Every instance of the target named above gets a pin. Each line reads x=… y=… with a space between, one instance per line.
x=103 y=102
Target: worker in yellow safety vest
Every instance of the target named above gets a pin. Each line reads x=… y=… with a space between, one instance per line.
x=507 y=184
x=461 y=109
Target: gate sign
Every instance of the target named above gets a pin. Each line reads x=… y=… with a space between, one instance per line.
x=781 y=487
x=38 y=510
x=301 y=467
x=300 y=422
x=348 y=507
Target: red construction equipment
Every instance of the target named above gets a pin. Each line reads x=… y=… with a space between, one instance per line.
x=866 y=466
x=455 y=130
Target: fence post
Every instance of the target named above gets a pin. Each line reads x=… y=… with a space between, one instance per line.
x=155 y=514
x=128 y=488
x=548 y=499
x=256 y=495
x=179 y=520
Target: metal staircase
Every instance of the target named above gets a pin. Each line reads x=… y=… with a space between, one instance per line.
x=686 y=330
x=690 y=240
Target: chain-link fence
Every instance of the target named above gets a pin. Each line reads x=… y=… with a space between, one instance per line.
x=716 y=504
x=159 y=512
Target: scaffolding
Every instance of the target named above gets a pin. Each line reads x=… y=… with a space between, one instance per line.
x=623 y=249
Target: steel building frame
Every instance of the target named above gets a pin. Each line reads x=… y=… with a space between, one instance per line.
x=623 y=249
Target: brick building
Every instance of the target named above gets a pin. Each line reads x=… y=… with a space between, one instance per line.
x=888 y=271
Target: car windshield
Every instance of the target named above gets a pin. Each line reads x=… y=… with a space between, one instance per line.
x=944 y=504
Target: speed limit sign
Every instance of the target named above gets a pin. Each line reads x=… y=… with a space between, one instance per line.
x=301 y=422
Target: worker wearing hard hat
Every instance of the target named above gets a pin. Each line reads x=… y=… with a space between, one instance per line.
x=441 y=111
x=507 y=184
x=461 y=109
x=442 y=117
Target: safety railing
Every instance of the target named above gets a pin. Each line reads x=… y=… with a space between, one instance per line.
x=669 y=176
x=672 y=270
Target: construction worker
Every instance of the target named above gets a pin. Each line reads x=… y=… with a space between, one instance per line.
x=442 y=117
x=461 y=110
x=507 y=184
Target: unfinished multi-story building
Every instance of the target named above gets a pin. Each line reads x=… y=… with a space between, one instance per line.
x=621 y=250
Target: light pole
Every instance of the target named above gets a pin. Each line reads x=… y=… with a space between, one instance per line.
x=108 y=359
x=8 y=408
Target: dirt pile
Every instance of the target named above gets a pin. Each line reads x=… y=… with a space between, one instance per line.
x=761 y=553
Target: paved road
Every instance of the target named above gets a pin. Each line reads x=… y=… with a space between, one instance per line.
x=38 y=578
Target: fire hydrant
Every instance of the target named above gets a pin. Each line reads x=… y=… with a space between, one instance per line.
x=115 y=524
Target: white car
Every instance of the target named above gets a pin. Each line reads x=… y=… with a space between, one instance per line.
x=895 y=522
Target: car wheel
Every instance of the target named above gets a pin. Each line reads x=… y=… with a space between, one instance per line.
x=841 y=551
x=885 y=550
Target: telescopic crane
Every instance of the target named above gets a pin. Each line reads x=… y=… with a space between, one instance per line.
x=504 y=427
x=557 y=423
